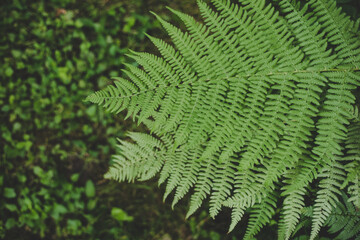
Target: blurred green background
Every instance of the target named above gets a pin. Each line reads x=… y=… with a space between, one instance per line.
x=54 y=149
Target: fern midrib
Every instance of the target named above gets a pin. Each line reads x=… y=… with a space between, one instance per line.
x=239 y=76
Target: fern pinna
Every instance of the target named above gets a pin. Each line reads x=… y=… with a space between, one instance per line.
x=248 y=108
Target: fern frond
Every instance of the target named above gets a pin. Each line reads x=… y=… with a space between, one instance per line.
x=222 y=187
x=177 y=170
x=236 y=215
x=212 y=52
x=190 y=176
x=203 y=186
x=139 y=160
x=307 y=32
x=175 y=60
x=353 y=166
x=344 y=220
x=189 y=48
x=255 y=102
x=334 y=118
x=338 y=28
x=272 y=122
x=260 y=215
x=293 y=205
x=279 y=35
x=123 y=91
x=333 y=175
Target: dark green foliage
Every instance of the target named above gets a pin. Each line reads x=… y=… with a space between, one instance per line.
x=343 y=222
x=250 y=108
x=53 y=148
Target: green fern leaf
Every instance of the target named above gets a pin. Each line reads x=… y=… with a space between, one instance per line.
x=255 y=103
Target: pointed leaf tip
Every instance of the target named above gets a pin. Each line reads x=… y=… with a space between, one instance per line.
x=153 y=13
x=231 y=228
x=170 y=9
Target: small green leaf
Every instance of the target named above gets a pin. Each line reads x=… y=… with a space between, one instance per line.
x=58 y=211
x=73 y=224
x=91 y=204
x=9 y=193
x=91 y=111
x=16 y=53
x=16 y=126
x=75 y=177
x=22 y=178
x=10 y=223
x=63 y=75
x=90 y=189
x=38 y=171
x=78 y=23
x=11 y=207
x=130 y=22
x=120 y=215
x=9 y=72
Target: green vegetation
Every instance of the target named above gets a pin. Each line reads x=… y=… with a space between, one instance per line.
x=55 y=149
x=255 y=109
x=52 y=53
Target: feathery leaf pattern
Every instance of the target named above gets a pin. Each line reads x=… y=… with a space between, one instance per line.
x=246 y=108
